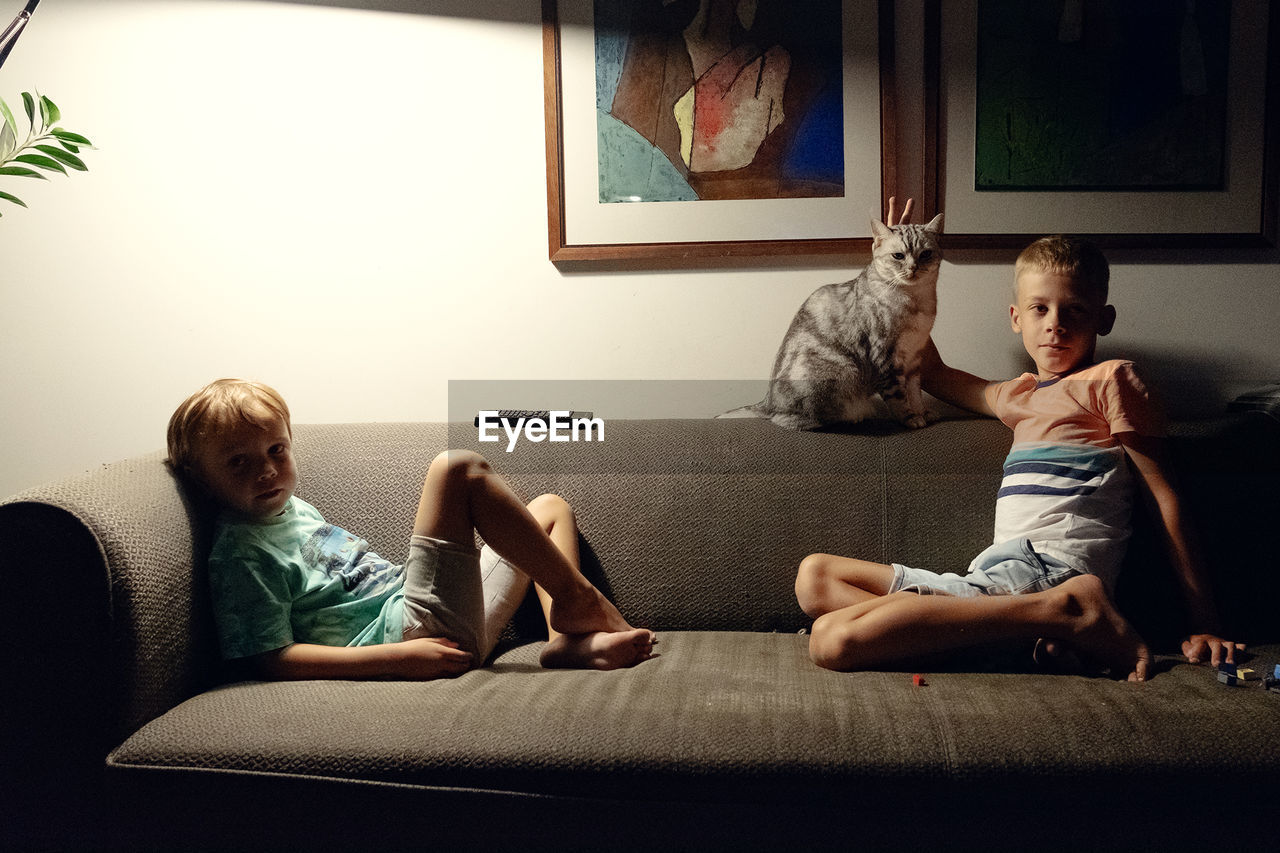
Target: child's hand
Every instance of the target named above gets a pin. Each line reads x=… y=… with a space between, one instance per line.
x=906 y=212
x=432 y=657
x=1195 y=646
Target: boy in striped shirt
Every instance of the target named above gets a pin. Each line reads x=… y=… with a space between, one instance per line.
x=1081 y=432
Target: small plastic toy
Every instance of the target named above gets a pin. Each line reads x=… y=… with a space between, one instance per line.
x=1227 y=674
x=918 y=680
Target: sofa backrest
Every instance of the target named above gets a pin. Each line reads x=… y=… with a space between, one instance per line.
x=700 y=524
x=695 y=524
x=1227 y=474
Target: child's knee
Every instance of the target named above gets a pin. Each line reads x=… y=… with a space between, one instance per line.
x=812 y=578
x=459 y=466
x=550 y=508
x=833 y=643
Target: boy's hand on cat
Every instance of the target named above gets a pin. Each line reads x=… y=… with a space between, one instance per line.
x=906 y=212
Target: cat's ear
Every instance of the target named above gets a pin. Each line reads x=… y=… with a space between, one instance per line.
x=935 y=224
x=879 y=230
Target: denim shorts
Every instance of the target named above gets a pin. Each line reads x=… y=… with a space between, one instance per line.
x=1007 y=568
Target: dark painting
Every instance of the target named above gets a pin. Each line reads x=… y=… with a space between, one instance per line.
x=1102 y=95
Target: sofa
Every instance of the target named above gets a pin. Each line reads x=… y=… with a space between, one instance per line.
x=124 y=730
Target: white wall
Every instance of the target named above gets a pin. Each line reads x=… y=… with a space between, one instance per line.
x=350 y=204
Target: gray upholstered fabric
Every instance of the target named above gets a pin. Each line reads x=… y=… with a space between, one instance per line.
x=718 y=715
x=738 y=503
x=134 y=578
x=695 y=529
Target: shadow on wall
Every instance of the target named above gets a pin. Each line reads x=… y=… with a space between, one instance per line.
x=516 y=11
x=1199 y=385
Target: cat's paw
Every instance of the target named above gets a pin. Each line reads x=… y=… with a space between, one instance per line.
x=915 y=422
x=789 y=420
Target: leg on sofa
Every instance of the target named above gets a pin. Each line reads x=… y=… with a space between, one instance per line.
x=905 y=626
x=462 y=495
x=599 y=650
x=826 y=582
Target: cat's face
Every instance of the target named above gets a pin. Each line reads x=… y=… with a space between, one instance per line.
x=907 y=254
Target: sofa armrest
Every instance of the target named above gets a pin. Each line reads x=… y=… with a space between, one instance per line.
x=105 y=621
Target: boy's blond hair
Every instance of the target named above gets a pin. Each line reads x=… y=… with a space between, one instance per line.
x=216 y=406
x=1069 y=256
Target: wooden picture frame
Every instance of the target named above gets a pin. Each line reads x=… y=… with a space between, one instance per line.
x=581 y=228
x=1242 y=212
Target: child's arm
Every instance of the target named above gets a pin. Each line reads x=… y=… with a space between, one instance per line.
x=1155 y=476
x=954 y=386
x=412 y=659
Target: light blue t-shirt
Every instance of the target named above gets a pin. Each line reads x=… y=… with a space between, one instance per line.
x=295 y=578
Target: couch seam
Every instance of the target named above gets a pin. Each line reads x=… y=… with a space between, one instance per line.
x=884 y=503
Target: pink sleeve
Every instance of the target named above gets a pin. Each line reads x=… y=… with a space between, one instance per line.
x=1128 y=405
x=1000 y=395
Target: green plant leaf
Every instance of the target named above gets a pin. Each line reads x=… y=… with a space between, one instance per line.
x=66 y=136
x=63 y=157
x=49 y=112
x=42 y=162
x=9 y=120
x=56 y=154
x=8 y=142
x=21 y=172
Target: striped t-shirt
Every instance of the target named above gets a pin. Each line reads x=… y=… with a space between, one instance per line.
x=1067 y=485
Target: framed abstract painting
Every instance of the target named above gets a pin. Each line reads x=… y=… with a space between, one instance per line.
x=716 y=129
x=1139 y=124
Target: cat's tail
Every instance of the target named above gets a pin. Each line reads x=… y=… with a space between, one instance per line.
x=752 y=411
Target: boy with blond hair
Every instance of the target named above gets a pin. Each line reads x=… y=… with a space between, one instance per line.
x=300 y=598
x=1080 y=432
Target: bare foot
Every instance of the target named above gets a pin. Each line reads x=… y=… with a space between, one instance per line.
x=585 y=612
x=1101 y=632
x=599 y=650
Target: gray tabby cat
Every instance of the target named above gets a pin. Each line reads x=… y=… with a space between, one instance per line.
x=853 y=340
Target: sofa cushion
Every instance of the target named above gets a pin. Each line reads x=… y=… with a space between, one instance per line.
x=726 y=716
